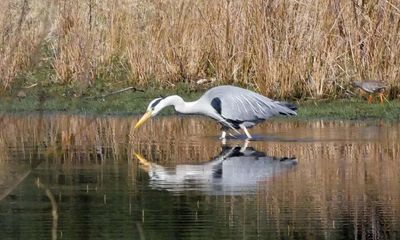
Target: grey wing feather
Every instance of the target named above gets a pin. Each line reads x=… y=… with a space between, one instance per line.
x=240 y=104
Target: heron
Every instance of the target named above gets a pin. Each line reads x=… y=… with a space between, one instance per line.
x=371 y=87
x=234 y=108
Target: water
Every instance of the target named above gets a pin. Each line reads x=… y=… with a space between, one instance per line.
x=76 y=177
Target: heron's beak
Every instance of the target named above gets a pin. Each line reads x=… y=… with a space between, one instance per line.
x=141 y=159
x=144 y=164
x=144 y=118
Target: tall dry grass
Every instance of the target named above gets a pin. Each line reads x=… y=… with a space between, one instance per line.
x=291 y=48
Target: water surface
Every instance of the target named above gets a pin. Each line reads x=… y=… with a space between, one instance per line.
x=79 y=177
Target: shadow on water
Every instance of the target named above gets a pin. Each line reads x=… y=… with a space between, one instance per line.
x=346 y=184
x=235 y=171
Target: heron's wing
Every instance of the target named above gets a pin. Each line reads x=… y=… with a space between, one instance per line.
x=242 y=105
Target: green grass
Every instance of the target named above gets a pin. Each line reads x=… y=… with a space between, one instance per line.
x=53 y=100
x=132 y=103
x=350 y=109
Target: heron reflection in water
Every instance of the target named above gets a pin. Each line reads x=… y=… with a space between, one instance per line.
x=236 y=170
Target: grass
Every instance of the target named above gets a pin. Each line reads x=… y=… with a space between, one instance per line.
x=350 y=109
x=55 y=100
x=134 y=102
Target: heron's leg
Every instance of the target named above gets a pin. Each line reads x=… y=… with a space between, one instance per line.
x=223 y=135
x=224 y=132
x=369 y=99
x=381 y=97
x=223 y=141
x=230 y=134
x=245 y=131
x=245 y=145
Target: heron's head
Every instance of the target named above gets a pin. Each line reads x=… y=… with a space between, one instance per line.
x=155 y=106
x=159 y=104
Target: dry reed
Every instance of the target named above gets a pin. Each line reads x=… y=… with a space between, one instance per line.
x=299 y=49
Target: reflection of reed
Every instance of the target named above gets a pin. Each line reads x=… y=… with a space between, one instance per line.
x=54 y=208
x=358 y=180
x=347 y=169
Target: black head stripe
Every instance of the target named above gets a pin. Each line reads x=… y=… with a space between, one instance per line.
x=155 y=102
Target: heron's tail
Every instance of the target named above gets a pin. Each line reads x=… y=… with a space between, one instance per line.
x=289 y=105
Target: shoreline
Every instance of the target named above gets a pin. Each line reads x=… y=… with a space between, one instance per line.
x=135 y=103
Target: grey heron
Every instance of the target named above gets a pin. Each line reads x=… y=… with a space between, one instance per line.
x=233 y=107
x=371 y=87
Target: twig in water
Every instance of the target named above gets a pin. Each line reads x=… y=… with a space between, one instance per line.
x=54 y=207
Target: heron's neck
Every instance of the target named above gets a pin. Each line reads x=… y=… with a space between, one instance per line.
x=181 y=106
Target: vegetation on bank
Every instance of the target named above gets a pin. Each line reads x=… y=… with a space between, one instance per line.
x=133 y=102
x=291 y=49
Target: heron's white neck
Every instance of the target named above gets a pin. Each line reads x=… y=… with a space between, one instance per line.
x=181 y=106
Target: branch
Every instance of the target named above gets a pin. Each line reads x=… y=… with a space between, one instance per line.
x=116 y=92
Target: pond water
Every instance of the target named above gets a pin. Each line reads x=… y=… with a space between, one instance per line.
x=80 y=177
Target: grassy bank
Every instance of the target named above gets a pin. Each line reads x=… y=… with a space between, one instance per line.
x=350 y=109
x=135 y=102
x=52 y=99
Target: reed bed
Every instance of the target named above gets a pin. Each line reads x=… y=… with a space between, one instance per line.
x=291 y=48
